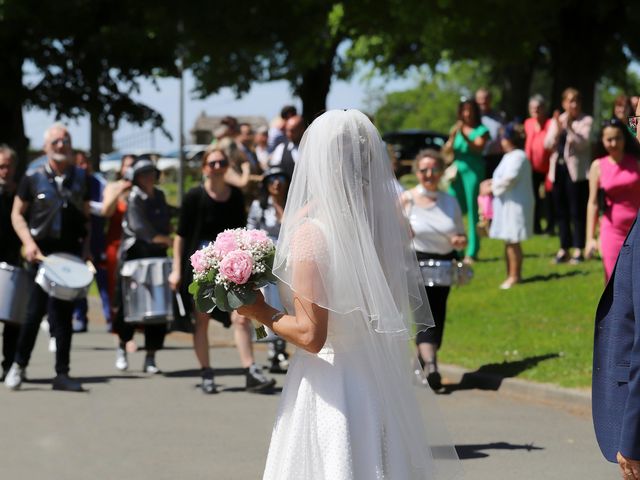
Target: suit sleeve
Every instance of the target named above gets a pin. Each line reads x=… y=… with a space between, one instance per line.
x=630 y=435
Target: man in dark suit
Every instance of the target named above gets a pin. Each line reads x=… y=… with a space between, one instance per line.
x=616 y=361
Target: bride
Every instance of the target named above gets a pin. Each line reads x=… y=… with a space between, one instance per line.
x=351 y=286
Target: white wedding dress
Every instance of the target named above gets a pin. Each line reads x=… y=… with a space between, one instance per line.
x=350 y=412
x=336 y=422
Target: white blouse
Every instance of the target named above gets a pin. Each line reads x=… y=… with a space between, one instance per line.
x=434 y=225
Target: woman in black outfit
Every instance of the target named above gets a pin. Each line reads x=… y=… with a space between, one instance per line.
x=206 y=211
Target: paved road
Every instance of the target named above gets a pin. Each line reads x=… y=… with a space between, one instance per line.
x=136 y=426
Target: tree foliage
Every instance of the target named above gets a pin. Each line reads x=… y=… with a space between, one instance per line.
x=433 y=103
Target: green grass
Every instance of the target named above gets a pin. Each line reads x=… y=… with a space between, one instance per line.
x=539 y=330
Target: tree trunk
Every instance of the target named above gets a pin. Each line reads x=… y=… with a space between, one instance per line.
x=316 y=83
x=101 y=140
x=11 y=97
x=516 y=85
x=314 y=90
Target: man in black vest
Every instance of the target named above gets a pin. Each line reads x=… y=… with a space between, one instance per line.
x=9 y=248
x=50 y=215
x=286 y=154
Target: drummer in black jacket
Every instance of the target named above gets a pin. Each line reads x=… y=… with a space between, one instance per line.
x=9 y=248
x=50 y=215
x=145 y=234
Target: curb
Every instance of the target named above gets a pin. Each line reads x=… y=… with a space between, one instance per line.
x=568 y=398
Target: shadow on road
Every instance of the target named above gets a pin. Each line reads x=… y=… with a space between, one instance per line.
x=93 y=379
x=490 y=376
x=468 y=452
x=195 y=372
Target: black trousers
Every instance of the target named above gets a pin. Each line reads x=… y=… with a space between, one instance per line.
x=438 y=303
x=9 y=344
x=153 y=334
x=60 y=313
x=570 y=201
x=543 y=206
x=437 y=297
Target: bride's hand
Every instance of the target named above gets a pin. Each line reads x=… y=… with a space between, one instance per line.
x=255 y=309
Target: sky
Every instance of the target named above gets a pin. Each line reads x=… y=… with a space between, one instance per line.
x=263 y=99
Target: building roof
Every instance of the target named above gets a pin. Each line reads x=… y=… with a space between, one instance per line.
x=209 y=123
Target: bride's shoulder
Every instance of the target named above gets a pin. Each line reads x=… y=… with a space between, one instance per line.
x=308 y=241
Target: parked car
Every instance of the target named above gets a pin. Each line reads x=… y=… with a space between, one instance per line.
x=407 y=143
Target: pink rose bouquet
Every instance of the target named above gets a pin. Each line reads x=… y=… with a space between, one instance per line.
x=227 y=272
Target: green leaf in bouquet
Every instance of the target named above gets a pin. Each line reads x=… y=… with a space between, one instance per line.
x=221 y=299
x=194 y=288
x=235 y=300
x=203 y=300
x=249 y=296
x=262 y=281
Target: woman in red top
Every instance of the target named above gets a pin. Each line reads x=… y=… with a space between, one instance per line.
x=114 y=206
x=535 y=129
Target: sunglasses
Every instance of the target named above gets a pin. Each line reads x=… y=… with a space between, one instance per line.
x=64 y=141
x=218 y=164
x=433 y=170
x=632 y=122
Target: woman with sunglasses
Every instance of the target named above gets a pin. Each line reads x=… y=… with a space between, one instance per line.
x=616 y=175
x=467 y=139
x=266 y=214
x=438 y=231
x=206 y=211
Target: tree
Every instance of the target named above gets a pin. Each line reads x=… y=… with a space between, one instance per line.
x=575 y=42
x=433 y=103
x=298 y=43
x=87 y=57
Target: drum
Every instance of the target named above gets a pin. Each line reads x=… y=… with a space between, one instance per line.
x=445 y=273
x=437 y=273
x=14 y=293
x=147 y=297
x=64 y=276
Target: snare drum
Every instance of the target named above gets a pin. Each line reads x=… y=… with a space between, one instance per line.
x=147 y=297
x=437 y=273
x=444 y=273
x=14 y=293
x=64 y=276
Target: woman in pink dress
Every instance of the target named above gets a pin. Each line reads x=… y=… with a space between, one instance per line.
x=616 y=176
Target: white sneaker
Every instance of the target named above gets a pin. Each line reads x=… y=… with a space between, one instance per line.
x=121 y=359
x=53 y=346
x=44 y=326
x=14 y=377
x=150 y=365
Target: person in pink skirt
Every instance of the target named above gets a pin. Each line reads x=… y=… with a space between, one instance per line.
x=614 y=188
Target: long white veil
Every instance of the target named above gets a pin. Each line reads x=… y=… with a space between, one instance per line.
x=343 y=183
x=343 y=216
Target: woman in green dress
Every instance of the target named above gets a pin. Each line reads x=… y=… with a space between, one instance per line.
x=467 y=140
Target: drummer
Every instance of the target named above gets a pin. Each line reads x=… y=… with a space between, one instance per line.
x=9 y=247
x=145 y=234
x=50 y=215
x=438 y=231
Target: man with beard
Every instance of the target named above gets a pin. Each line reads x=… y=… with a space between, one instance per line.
x=50 y=215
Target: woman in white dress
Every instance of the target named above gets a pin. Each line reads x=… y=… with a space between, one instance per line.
x=513 y=201
x=350 y=283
